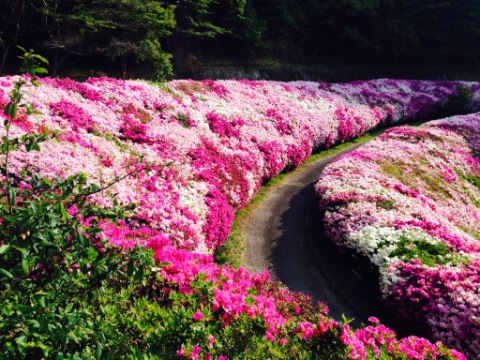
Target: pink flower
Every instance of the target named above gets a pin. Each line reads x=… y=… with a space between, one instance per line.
x=180 y=352
x=307 y=330
x=198 y=316
x=195 y=352
x=185 y=289
x=345 y=335
x=211 y=340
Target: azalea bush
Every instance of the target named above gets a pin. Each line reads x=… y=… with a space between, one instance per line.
x=208 y=145
x=409 y=202
x=109 y=233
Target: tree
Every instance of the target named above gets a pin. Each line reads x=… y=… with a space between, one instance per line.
x=448 y=30
x=59 y=21
x=119 y=28
x=199 y=21
x=14 y=23
x=116 y=29
x=245 y=36
x=284 y=21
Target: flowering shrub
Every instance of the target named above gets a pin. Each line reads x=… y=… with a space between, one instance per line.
x=209 y=145
x=409 y=201
x=199 y=152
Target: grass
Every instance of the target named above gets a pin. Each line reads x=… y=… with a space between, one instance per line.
x=430 y=254
x=386 y=204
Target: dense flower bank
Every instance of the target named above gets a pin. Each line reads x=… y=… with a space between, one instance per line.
x=190 y=154
x=409 y=201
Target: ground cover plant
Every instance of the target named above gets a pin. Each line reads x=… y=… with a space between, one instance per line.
x=138 y=187
x=409 y=201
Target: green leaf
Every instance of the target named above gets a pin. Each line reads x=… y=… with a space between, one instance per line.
x=11 y=109
x=25 y=265
x=42 y=303
x=47 y=183
x=31 y=144
x=83 y=241
x=21 y=340
x=69 y=308
x=41 y=58
x=12 y=196
x=34 y=323
x=41 y=70
x=24 y=251
x=7 y=310
x=82 y=178
x=62 y=210
x=4 y=248
x=98 y=351
x=6 y=273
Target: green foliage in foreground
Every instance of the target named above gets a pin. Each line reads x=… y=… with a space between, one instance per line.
x=66 y=294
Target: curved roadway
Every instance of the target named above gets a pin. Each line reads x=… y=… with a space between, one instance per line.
x=284 y=236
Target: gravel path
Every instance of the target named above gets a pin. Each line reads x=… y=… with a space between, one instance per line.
x=284 y=236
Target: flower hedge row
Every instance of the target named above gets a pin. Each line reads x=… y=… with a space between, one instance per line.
x=200 y=151
x=410 y=202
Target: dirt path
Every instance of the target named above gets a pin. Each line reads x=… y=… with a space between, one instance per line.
x=284 y=236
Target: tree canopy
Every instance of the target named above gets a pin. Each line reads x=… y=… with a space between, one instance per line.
x=150 y=32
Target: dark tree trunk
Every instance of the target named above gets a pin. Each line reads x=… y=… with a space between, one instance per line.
x=5 y=52
x=56 y=63
x=124 y=66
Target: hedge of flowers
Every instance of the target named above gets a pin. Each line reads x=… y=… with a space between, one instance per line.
x=199 y=152
x=410 y=202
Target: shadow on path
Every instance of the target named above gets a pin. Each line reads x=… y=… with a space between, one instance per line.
x=285 y=236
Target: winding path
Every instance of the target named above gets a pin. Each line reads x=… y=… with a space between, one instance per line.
x=284 y=236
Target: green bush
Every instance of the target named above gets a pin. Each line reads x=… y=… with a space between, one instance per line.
x=58 y=277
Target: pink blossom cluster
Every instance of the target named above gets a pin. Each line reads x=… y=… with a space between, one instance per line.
x=377 y=341
x=409 y=201
x=191 y=153
x=208 y=146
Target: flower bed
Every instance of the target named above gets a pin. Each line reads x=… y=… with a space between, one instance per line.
x=209 y=145
x=409 y=201
x=200 y=151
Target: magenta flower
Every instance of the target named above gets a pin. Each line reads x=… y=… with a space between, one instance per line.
x=195 y=354
x=198 y=316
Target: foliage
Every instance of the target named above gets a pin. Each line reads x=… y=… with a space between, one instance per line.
x=349 y=32
x=13 y=15
x=128 y=27
x=57 y=272
x=429 y=254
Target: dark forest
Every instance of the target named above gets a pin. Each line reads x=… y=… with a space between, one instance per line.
x=174 y=38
